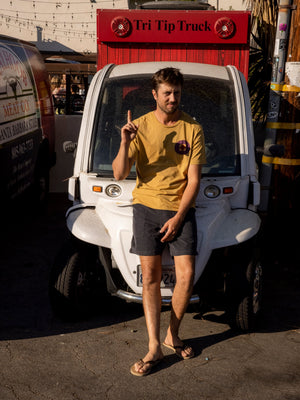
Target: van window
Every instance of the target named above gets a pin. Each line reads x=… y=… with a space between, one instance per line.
x=209 y=101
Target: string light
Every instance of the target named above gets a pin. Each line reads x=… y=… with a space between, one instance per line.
x=46 y=22
x=51 y=12
x=72 y=35
x=61 y=3
x=53 y=28
x=57 y=19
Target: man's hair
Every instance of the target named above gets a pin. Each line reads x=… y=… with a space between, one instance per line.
x=171 y=76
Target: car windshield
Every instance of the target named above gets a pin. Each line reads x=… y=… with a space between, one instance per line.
x=209 y=101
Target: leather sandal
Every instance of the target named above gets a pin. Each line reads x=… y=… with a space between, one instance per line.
x=141 y=363
x=179 y=349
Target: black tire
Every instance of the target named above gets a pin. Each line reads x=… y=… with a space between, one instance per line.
x=75 y=281
x=243 y=316
x=245 y=294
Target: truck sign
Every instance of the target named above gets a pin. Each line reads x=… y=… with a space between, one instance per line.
x=173 y=27
x=211 y=37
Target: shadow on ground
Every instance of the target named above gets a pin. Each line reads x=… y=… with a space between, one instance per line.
x=30 y=243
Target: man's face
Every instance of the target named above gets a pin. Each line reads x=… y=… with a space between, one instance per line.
x=167 y=98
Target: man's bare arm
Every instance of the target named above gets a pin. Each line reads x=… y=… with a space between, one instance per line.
x=172 y=226
x=122 y=163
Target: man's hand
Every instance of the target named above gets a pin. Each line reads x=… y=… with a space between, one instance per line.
x=171 y=228
x=122 y=163
x=128 y=131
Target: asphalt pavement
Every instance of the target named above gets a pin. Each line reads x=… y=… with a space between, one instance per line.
x=42 y=357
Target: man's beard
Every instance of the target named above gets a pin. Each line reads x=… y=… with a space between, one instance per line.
x=169 y=111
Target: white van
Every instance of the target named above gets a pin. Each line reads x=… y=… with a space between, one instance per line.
x=100 y=221
x=26 y=121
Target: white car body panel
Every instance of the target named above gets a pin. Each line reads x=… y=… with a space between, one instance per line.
x=107 y=222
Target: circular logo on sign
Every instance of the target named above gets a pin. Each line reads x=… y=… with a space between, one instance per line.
x=225 y=28
x=182 y=147
x=121 y=26
x=18 y=111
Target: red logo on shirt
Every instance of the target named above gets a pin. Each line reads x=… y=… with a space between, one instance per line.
x=182 y=147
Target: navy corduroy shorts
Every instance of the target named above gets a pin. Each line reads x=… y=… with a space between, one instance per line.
x=146 y=240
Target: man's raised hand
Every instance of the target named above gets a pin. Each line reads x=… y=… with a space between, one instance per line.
x=129 y=131
x=129 y=116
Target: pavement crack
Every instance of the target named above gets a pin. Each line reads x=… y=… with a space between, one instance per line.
x=20 y=396
x=106 y=394
x=79 y=358
x=8 y=350
x=11 y=389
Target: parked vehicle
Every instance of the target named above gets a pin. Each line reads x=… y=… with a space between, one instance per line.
x=26 y=121
x=100 y=221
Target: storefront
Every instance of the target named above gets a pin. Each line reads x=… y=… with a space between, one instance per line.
x=70 y=78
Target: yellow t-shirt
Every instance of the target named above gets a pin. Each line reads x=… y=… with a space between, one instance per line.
x=162 y=156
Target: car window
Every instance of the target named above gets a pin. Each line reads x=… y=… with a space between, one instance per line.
x=209 y=101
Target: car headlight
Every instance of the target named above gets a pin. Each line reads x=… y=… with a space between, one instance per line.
x=113 y=190
x=212 y=191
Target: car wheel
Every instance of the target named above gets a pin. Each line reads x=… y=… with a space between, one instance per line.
x=75 y=281
x=245 y=297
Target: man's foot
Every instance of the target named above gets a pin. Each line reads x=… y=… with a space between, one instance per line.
x=143 y=368
x=182 y=350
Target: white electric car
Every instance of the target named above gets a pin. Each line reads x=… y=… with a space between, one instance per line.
x=228 y=271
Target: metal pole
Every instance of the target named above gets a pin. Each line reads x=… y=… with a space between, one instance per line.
x=279 y=58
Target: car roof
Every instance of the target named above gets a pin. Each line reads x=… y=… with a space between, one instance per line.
x=186 y=68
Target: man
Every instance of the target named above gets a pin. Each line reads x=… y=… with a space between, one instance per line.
x=167 y=147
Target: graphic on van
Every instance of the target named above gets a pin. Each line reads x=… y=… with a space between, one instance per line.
x=18 y=111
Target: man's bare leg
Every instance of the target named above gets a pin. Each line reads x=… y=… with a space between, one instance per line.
x=185 y=269
x=151 y=270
